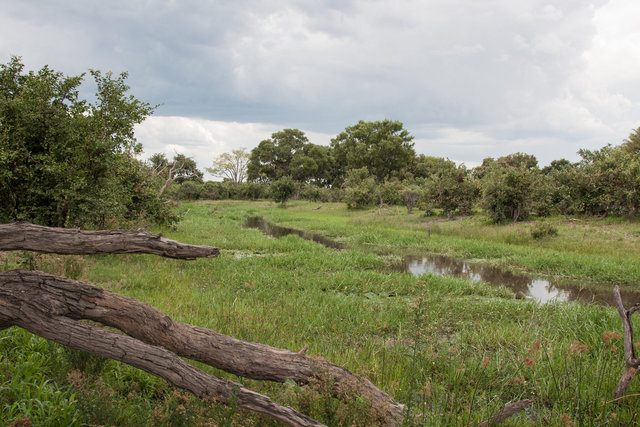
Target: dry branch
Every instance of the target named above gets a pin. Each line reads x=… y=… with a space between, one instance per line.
x=632 y=363
x=77 y=300
x=44 y=315
x=26 y=236
x=509 y=410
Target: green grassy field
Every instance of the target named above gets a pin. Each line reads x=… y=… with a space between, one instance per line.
x=452 y=350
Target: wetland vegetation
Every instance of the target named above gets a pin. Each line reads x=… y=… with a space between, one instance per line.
x=453 y=350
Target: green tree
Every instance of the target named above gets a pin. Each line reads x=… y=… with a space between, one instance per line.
x=631 y=145
x=451 y=188
x=384 y=148
x=231 y=166
x=507 y=187
x=359 y=188
x=272 y=158
x=283 y=189
x=65 y=161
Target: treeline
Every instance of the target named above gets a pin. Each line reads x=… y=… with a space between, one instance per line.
x=65 y=161
x=374 y=163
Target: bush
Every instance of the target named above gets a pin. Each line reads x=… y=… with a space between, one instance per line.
x=542 y=229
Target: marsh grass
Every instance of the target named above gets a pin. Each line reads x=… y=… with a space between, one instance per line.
x=453 y=351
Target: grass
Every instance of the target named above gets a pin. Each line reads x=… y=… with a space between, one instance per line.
x=454 y=351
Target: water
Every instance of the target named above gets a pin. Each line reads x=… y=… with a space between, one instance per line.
x=278 y=231
x=525 y=286
x=538 y=289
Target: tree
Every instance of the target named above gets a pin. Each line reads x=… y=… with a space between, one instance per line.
x=450 y=187
x=283 y=189
x=507 y=185
x=384 y=148
x=271 y=159
x=359 y=188
x=67 y=161
x=180 y=170
x=231 y=166
x=631 y=145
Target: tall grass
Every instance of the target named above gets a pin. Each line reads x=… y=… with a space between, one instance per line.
x=453 y=351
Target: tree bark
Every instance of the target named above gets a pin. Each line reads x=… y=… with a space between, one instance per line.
x=632 y=363
x=44 y=314
x=77 y=300
x=67 y=241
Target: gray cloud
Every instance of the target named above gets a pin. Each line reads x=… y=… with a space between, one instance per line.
x=469 y=79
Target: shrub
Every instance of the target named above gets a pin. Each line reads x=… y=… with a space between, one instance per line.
x=542 y=229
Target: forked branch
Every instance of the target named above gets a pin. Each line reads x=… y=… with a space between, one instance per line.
x=632 y=363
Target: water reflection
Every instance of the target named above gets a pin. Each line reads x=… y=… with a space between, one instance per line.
x=278 y=231
x=539 y=289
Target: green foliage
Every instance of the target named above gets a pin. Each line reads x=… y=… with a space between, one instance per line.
x=289 y=153
x=384 y=148
x=542 y=229
x=65 y=161
x=359 y=188
x=451 y=188
x=606 y=181
x=283 y=189
x=508 y=187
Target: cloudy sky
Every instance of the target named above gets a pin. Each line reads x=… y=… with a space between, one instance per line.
x=469 y=79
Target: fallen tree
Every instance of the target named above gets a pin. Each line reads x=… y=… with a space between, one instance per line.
x=53 y=308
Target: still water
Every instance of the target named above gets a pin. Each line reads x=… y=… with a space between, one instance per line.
x=536 y=288
x=525 y=286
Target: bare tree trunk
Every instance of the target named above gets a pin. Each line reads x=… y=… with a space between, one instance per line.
x=77 y=300
x=56 y=299
x=632 y=363
x=31 y=237
x=42 y=311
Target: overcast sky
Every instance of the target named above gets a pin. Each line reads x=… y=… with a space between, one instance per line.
x=469 y=79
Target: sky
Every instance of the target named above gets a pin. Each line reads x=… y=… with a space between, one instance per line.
x=468 y=79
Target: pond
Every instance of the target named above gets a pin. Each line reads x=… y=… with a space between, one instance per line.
x=536 y=288
x=525 y=286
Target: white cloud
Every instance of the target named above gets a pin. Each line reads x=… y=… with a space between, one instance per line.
x=203 y=140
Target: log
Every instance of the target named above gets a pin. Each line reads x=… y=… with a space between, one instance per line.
x=69 y=241
x=77 y=300
x=632 y=364
x=41 y=314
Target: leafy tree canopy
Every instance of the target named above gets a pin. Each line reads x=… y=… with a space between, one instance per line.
x=289 y=153
x=383 y=147
x=65 y=161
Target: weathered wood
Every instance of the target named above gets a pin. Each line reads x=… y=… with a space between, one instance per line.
x=43 y=315
x=68 y=241
x=632 y=363
x=77 y=300
x=508 y=411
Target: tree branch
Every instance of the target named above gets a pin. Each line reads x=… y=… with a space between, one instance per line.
x=26 y=236
x=632 y=363
x=41 y=314
x=79 y=300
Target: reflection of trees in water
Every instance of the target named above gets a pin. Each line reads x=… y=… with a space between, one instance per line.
x=541 y=289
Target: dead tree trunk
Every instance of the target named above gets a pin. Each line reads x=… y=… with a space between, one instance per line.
x=44 y=314
x=67 y=301
x=68 y=241
x=632 y=363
